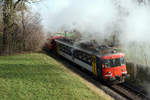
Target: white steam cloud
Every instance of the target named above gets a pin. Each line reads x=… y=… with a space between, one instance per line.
x=95 y=18
x=137 y=23
x=99 y=19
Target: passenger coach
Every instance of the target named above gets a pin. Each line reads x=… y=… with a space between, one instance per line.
x=102 y=61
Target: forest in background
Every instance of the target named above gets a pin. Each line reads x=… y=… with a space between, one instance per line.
x=20 y=28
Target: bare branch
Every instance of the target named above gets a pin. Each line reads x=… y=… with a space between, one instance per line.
x=17 y=2
x=28 y=1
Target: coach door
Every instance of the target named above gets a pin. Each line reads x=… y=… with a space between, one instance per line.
x=94 y=69
x=58 y=49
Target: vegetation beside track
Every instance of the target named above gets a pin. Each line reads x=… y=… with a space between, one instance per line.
x=39 y=77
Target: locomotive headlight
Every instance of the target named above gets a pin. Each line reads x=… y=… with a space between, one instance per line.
x=123 y=69
x=124 y=72
x=109 y=72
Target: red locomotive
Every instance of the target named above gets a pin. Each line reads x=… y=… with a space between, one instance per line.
x=103 y=61
x=114 y=67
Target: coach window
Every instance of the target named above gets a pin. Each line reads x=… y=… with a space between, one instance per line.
x=61 y=47
x=65 y=49
x=69 y=50
x=84 y=57
x=77 y=54
x=87 y=59
x=80 y=55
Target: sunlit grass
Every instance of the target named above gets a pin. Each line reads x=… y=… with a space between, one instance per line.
x=39 y=77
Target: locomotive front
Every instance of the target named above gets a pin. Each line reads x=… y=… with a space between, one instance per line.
x=114 y=68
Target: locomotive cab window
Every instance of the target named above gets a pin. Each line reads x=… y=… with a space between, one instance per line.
x=114 y=62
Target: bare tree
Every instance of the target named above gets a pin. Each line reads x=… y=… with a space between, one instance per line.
x=1 y=27
x=1 y=19
x=32 y=33
x=10 y=23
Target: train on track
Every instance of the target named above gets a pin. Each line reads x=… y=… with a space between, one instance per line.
x=103 y=61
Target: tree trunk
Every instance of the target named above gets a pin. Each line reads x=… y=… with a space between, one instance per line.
x=9 y=26
x=23 y=26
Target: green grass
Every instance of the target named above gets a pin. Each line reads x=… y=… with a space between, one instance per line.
x=39 y=77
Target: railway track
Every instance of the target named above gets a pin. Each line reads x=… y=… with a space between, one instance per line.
x=125 y=92
x=139 y=94
x=130 y=92
x=118 y=92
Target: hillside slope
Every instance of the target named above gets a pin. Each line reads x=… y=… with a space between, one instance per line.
x=39 y=77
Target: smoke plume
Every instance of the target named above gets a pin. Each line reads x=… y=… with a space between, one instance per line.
x=98 y=20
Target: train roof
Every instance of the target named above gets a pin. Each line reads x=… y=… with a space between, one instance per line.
x=88 y=47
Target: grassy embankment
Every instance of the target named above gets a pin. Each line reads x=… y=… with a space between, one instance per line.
x=39 y=77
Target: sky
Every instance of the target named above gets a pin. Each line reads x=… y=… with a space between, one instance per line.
x=48 y=8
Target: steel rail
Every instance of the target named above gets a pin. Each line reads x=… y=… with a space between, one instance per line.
x=139 y=92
